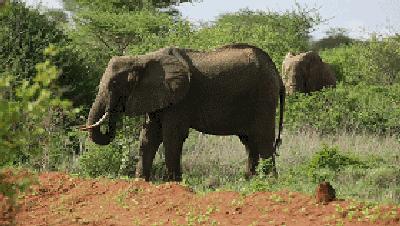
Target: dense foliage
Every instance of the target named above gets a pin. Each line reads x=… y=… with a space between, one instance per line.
x=32 y=118
x=276 y=33
x=25 y=33
x=373 y=62
x=361 y=108
x=24 y=36
x=124 y=5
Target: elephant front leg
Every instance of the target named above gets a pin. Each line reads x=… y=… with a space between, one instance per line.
x=150 y=140
x=173 y=153
x=174 y=134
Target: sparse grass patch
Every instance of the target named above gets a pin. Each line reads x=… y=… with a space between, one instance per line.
x=200 y=218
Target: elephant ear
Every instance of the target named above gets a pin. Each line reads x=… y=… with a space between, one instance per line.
x=163 y=82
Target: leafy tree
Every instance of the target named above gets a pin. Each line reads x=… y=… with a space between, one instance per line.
x=25 y=33
x=124 y=5
x=334 y=37
x=276 y=33
x=115 y=32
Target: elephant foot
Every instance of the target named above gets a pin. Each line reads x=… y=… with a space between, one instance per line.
x=141 y=176
x=139 y=173
x=249 y=175
x=272 y=173
x=174 y=177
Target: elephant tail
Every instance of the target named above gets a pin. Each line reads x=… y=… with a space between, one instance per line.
x=282 y=93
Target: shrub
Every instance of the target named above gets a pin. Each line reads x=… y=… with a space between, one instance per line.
x=13 y=182
x=119 y=158
x=329 y=160
x=32 y=114
x=374 y=62
x=100 y=161
x=362 y=108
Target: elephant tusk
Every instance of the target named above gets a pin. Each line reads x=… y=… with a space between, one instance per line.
x=89 y=127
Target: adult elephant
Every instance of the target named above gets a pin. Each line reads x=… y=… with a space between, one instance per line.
x=233 y=90
x=306 y=72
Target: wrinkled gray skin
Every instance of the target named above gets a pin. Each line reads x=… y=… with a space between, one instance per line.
x=233 y=90
x=306 y=72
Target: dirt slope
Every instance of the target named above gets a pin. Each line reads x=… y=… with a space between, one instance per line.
x=63 y=200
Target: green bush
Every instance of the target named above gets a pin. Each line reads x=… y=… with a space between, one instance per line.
x=328 y=161
x=331 y=158
x=14 y=181
x=32 y=117
x=119 y=158
x=100 y=161
x=373 y=62
x=360 y=108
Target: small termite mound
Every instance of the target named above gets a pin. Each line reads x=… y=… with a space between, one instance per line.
x=325 y=193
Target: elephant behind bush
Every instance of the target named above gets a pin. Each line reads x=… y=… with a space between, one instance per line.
x=306 y=72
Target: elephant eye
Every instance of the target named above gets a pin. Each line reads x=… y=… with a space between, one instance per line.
x=113 y=83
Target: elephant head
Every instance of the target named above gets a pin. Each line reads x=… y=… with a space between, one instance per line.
x=306 y=72
x=135 y=85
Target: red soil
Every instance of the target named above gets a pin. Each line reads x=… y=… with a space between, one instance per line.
x=60 y=199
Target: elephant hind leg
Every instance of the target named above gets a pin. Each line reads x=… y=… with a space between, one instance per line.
x=258 y=146
x=266 y=150
x=150 y=140
x=253 y=155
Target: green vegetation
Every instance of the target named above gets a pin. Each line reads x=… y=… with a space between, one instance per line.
x=50 y=67
x=360 y=108
x=358 y=166
x=30 y=110
x=373 y=62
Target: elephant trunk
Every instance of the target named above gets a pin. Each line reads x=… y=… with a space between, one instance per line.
x=96 y=116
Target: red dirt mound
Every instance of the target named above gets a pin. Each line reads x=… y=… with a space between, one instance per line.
x=63 y=200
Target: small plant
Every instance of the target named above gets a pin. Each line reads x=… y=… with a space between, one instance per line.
x=276 y=198
x=237 y=202
x=211 y=209
x=265 y=168
x=328 y=160
x=136 y=221
x=201 y=218
x=121 y=199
